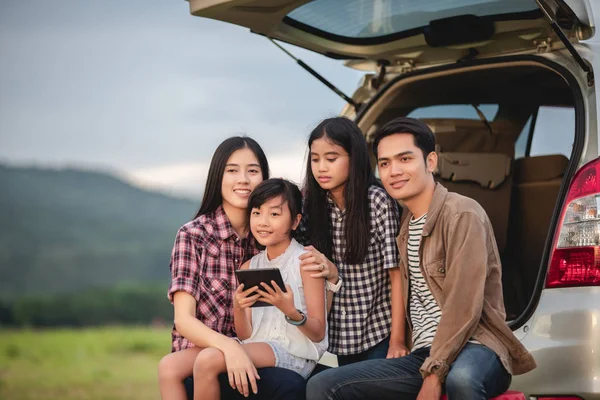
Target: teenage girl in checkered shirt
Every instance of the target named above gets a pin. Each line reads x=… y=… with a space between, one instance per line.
x=351 y=224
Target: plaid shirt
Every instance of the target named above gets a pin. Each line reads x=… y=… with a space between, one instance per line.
x=361 y=313
x=206 y=253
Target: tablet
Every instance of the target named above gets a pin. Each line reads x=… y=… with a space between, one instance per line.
x=254 y=277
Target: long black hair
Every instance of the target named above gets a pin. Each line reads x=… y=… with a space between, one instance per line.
x=347 y=134
x=213 y=197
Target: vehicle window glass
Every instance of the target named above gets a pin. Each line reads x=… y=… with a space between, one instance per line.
x=462 y=111
x=370 y=19
x=554 y=131
x=521 y=143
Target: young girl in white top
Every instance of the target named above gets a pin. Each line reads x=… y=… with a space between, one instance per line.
x=293 y=333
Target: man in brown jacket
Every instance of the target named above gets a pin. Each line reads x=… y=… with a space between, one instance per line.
x=452 y=289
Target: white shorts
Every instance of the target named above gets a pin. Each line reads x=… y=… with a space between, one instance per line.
x=283 y=359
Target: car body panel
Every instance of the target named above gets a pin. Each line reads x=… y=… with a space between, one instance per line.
x=564 y=338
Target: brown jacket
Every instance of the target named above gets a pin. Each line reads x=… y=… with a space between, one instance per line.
x=460 y=263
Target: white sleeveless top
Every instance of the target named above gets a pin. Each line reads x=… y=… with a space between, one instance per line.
x=269 y=324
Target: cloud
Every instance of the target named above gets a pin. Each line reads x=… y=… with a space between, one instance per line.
x=188 y=179
x=185 y=179
x=139 y=85
x=289 y=165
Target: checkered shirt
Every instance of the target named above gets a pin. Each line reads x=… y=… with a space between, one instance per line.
x=206 y=253
x=361 y=313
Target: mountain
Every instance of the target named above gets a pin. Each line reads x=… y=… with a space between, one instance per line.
x=67 y=230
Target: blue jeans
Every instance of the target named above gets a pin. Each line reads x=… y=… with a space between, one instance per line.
x=476 y=374
x=378 y=351
x=274 y=383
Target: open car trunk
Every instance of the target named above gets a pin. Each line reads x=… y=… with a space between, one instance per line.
x=422 y=33
x=490 y=158
x=462 y=52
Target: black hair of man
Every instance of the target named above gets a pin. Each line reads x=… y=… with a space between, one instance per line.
x=422 y=134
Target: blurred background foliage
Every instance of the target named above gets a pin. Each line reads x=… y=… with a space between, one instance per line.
x=84 y=271
x=81 y=248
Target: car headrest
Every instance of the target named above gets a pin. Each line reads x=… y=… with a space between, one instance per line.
x=540 y=168
x=489 y=170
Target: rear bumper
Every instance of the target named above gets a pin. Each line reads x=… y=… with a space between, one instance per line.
x=564 y=337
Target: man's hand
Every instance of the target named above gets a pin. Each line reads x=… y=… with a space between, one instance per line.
x=397 y=350
x=431 y=389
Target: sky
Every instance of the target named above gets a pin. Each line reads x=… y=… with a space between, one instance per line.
x=142 y=89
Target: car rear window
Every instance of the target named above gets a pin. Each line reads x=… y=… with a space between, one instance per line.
x=370 y=19
x=553 y=133
x=463 y=111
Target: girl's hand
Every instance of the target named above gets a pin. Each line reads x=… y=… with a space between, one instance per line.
x=240 y=368
x=314 y=260
x=397 y=350
x=242 y=299
x=284 y=301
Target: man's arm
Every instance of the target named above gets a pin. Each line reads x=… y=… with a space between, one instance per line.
x=466 y=271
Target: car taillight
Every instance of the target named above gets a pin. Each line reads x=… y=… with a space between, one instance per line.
x=576 y=253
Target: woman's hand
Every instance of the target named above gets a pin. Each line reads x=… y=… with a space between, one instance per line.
x=240 y=368
x=243 y=299
x=284 y=301
x=314 y=260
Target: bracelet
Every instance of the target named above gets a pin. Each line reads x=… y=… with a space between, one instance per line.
x=297 y=323
x=333 y=287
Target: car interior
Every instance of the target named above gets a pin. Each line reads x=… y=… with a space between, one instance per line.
x=490 y=159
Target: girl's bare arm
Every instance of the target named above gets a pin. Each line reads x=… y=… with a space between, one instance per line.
x=320 y=267
x=242 y=313
x=314 y=293
x=397 y=346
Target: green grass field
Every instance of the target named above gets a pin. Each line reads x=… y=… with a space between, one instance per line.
x=102 y=363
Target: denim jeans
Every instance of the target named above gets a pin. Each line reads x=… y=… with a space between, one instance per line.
x=378 y=351
x=274 y=383
x=476 y=374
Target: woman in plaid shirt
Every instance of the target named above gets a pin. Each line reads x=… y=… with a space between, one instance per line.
x=352 y=225
x=206 y=253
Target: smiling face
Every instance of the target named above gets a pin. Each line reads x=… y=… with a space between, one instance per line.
x=242 y=174
x=403 y=170
x=330 y=164
x=271 y=224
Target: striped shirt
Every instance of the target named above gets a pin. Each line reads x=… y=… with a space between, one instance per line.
x=425 y=313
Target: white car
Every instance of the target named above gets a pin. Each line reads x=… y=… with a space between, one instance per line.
x=508 y=88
